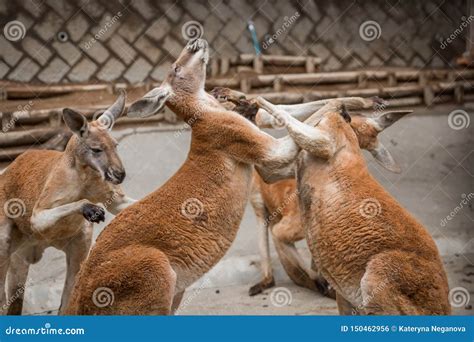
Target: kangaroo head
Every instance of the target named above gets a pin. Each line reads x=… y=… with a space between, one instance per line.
x=183 y=84
x=362 y=132
x=92 y=145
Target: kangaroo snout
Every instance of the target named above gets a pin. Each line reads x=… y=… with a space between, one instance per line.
x=115 y=176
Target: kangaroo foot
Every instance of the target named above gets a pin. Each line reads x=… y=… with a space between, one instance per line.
x=261 y=286
x=325 y=288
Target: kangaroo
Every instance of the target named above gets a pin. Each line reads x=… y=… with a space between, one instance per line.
x=277 y=210
x=49 y=199
x=374 y=253
x=276 y=205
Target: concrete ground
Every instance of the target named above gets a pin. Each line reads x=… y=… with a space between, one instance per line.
x=438 y=170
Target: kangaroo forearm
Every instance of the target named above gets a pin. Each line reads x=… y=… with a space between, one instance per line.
x=310 y=138
x=302 y=111
x=304 y=135
x=42 y=219
x=271 y=176
x=335 y=105
x=278 y=163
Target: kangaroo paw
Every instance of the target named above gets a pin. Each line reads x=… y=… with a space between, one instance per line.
x=93 y=213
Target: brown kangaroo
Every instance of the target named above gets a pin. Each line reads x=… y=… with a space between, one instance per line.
x=48 y=199
x=276 y=205
x=147 y=256
x=277 y=210
x=376 y=256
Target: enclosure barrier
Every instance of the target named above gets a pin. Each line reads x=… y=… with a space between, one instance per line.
x=296 y=81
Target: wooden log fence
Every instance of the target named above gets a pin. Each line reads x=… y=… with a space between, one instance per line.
x=264 y=64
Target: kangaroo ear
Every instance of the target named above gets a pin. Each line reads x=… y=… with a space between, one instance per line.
x=151 y=103
x=76 y=122
x=388 y=119
x=384 y=158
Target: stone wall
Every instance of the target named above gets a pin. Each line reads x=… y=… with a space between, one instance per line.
x=48 y=41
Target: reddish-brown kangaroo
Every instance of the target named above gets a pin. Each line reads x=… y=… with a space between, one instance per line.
x=375 y=255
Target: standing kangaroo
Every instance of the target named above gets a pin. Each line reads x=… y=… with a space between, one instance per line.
x=48 y=199
x=276 y=205
x=277 y=210
x=146 y=257
x=376 y=256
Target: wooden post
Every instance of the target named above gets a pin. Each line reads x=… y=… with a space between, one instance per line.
x=278 y=84
x=224 y=65
x=428 y=95
x=392 y=79
x=55 y=118
x=8 y=123
x=459 y=93
x=258 y=64
x=309 y=65
x=214 y=67
x=362 y=80
x=245 y=85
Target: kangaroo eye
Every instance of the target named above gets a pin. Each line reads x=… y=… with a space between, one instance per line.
x=177 y=69
x=96 y=150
